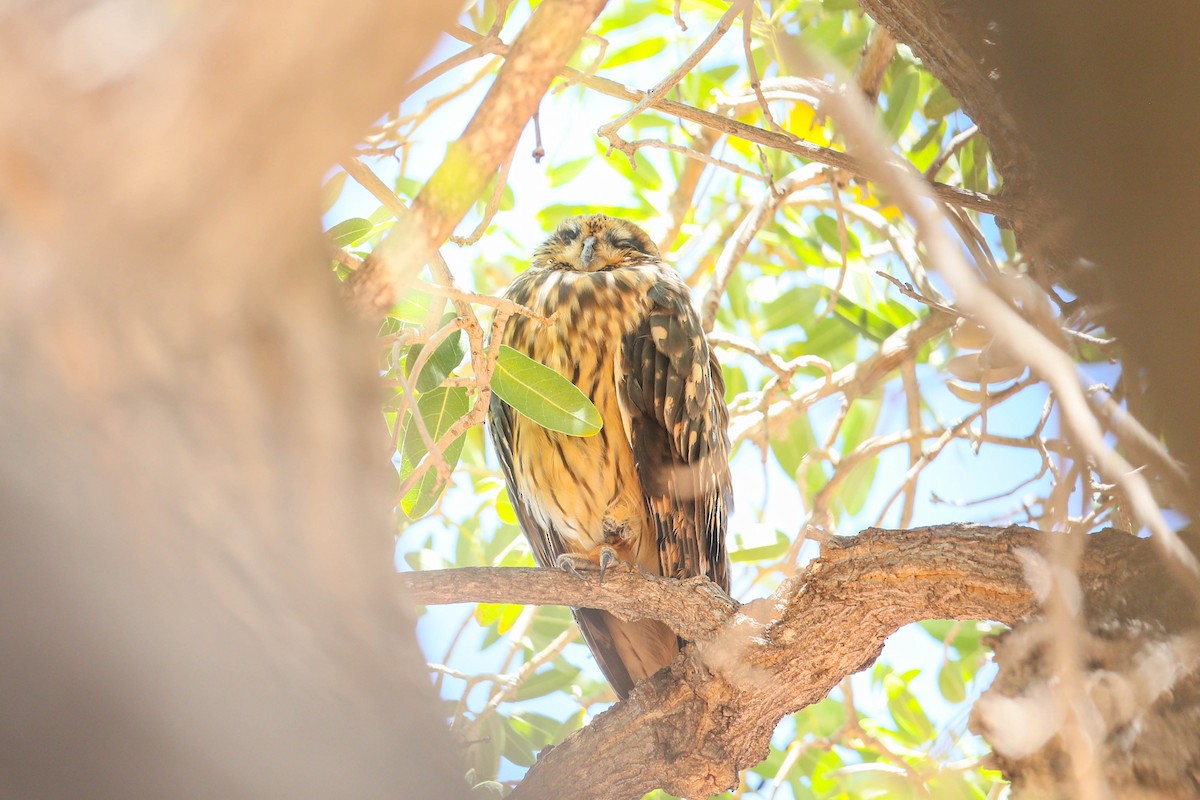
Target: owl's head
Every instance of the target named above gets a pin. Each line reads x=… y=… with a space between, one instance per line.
x=595 y=243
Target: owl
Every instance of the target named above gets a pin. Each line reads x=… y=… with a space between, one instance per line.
x=652 y=488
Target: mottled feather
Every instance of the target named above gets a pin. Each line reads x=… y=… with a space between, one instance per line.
x=654 y=483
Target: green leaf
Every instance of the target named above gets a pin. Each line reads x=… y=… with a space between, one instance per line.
x=517 y=746
x=821 y=719
x=483 y=754
x=440 y=409
x=645 y=177
x=793 y=307
x=793 y=443
x=765 y=552
x=901 y=102
x=827 y=228
x=350 y=232
x=446 y=356
x=332 y=190
x=856 y=489
x=567 y=171
x=940 y=103
x=488 y=789
x=635 y=52
x=906 y=711
x=543 y=395
x=951 y=683
x=504 y=508
x=547 y=681
x=412 y=307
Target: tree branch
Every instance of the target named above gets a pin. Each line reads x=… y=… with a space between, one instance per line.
x=852 y=380
x=694 y=608
x=539 y=52
x=690 y=728
x=977 y=201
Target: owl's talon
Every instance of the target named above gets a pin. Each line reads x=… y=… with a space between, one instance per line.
x=571 y=562
x=608 y=556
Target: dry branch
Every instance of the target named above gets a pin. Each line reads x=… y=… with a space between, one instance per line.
x=539 y=52
x=977 y=201
x=852 y=380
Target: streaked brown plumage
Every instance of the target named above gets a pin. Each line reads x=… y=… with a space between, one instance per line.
x=653 y=486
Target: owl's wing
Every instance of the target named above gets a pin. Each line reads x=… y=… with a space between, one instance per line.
x=672 y=398
x=548 y=546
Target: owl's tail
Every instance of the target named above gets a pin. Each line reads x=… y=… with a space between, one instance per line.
x=627 y=651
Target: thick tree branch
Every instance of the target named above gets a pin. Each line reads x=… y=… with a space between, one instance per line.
x=694 y=608
x=692 y=727
x=539 y=52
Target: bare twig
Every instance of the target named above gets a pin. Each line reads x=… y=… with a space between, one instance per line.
x=737 y=246
x=877 y=54
x=539 y=52
x=493 y=203
x=953 y=146
x=610 y=129
x=852 y=380
x=977 y=201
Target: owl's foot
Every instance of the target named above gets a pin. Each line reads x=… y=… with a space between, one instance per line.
x=577 y=563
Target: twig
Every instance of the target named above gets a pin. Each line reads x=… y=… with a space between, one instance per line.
x=539 y=52
x=977 y=201
x=952 y=147
x=539 y=152
x=485 y=300
x=877 y=54
x=752 y=69
x=698 y=155
x=852 y=380
x=367 y=179
x=493 y=203
x=908 y=290
x=912 y=403
x=736 y=247
x=610 y=129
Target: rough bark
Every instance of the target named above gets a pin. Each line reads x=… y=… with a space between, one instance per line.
x=195 y=566
x=956 y=42
x=692 y=727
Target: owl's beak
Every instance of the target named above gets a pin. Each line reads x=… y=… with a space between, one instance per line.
x=589 y=253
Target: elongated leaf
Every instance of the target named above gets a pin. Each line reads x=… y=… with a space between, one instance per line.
x=445 y=357
x=542 y=683
x=332 y=190
x=440 y=409
x=543 y=395
x=412 y=307
x=566 y=171
x=350 y=232
x=766 y=552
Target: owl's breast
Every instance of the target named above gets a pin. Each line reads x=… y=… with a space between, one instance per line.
x=585 y=488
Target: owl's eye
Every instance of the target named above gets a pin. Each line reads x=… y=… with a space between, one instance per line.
x=626 y=244
x=570 y=234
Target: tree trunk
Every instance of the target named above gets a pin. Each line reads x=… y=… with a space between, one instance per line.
x=196 y=568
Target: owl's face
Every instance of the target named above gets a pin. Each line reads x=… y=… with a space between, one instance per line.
x=594 y=244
